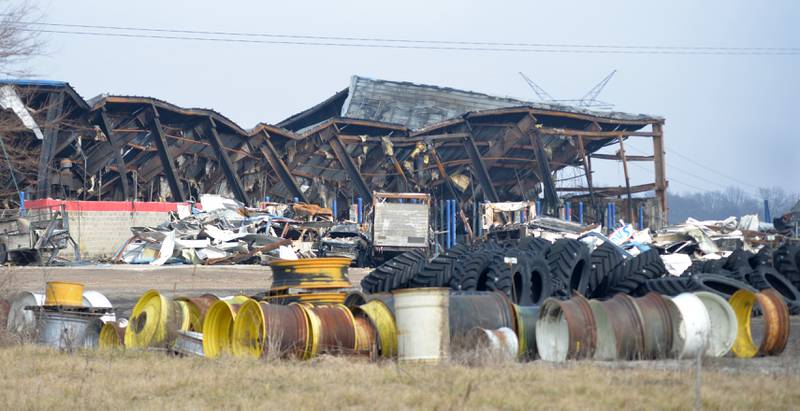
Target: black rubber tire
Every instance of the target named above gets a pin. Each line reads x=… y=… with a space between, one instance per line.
x=717 y=284
x=466 y=276
x=536 y=245
x=570 y=267
x=766 y=277
x=395 y=273
x=763 y=256
x=635 y=271
x=438 y=271
x=738 y=259
x=668 y=285
x=541 y=281
x=508 y=278
x=713 y=266
x=787 y=262
x=695 y=268
x=409 y=263
x=605 y=258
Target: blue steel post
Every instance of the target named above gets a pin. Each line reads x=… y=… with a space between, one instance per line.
x=538 y=207
x=335 y=211
x=608 y=217
x=641 y=217
x=360 y=210
x=294 y=199
x=447 y=222
x=522 y=216
x=441 y=223
x=453 y=219
x=767 y=215
x=580 y=212
x=22 y=203
x=568 y=211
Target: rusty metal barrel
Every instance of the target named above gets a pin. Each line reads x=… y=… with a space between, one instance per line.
x=621 y=333
x=566 y=330
x=382 y=319
x=776 y=323
x=657 y=318
x=263 y=329
x=479 y=309
x=310 y=273
x=337 y=329
x=197 y=308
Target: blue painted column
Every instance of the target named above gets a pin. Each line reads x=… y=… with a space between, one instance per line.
x=360 y=210
x=568 y=211
x=580 y=212
x=22 y=203
x=453 y=219
x=641 y=218
x=335 y=210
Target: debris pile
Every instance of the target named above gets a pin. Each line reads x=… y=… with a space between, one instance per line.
x=224 y=231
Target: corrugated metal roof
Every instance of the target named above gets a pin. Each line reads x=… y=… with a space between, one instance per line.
x=420 y=105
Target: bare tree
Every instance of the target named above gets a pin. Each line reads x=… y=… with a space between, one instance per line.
x=19 y=40
x=780 y=200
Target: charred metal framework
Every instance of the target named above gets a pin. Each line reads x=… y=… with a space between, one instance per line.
x=144 y=149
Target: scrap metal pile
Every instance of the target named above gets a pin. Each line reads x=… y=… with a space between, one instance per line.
x=224 y=231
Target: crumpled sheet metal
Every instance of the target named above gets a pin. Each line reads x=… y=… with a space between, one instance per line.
x=221 y=233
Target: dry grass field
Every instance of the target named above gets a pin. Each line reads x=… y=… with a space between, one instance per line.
x=39 y=378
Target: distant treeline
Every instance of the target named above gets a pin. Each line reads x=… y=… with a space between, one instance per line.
x=733 y=201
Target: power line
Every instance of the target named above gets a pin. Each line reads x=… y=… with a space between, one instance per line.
x=395 y=40
x=672 y=151
x=671 y=178
x=418 y=44
x=689 y=159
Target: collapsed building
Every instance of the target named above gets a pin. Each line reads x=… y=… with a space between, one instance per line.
x=375 y=135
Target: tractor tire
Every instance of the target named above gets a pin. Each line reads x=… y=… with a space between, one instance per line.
x=633 y=272
x=570 y=266
x=605 y=258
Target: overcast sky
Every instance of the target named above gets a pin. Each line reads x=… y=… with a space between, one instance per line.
x=737 y=115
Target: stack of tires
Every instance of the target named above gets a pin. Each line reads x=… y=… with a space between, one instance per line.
x=528 y=270
x=740 y=270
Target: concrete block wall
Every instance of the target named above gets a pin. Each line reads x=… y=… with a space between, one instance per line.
x=101 y=234
x=101 y=228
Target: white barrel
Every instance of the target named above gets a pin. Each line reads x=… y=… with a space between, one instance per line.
x=724 y=325
x=423 y=325
x=21 y=320
x=695 y=326
x=96 y=299
x=502 y=343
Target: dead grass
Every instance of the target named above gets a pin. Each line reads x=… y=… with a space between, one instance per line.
x=39 y=378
